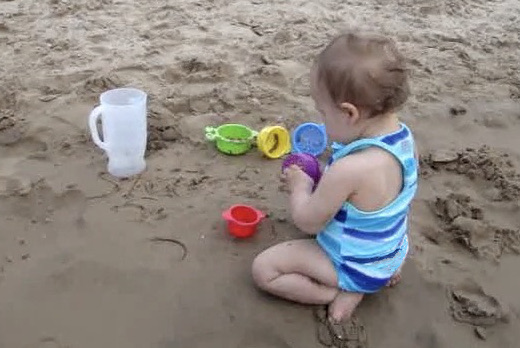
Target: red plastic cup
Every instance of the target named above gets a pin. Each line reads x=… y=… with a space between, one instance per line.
x=242 y=220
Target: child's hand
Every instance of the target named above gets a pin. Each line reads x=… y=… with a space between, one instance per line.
x=297 y=179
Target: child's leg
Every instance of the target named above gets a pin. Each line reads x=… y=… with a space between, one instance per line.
x=300 y=271
x=297 y=270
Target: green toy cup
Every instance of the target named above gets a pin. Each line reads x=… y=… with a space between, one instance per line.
x=231 y=139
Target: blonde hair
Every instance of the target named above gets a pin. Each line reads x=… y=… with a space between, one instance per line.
x=365 y=70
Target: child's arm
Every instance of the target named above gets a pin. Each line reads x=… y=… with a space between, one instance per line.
x=311 y=211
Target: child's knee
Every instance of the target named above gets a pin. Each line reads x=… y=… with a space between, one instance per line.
x=263 y=270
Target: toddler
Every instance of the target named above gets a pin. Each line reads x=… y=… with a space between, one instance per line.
x=359 y=210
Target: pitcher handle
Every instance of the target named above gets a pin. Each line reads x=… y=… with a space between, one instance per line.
x=92 y=122
x=211 y=133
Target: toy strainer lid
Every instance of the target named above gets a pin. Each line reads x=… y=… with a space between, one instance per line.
x=309 y=138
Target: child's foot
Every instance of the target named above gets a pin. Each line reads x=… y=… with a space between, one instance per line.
x=396 y=278
x=343 y=306
x=348 y=333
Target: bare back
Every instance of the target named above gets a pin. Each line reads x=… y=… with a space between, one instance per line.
x=382 y=182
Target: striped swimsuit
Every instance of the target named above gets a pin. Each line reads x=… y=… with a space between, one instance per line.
x=367 y=248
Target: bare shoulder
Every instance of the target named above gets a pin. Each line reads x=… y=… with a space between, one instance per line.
x=370 y=159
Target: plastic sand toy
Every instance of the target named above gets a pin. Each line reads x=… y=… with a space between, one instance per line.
x=309 y=138
x=242 y=220
x=308 y=163
x=274 y=141
x=231 y=139
x=123 y=116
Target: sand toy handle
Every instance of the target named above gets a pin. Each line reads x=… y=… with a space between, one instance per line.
x=211 y=133
x=254 y=135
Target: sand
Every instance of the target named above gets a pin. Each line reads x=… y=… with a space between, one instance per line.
x=78 y=263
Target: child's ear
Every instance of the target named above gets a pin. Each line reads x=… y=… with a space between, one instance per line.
x=350 y=111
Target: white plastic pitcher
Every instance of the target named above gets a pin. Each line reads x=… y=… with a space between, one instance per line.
x=123 y=120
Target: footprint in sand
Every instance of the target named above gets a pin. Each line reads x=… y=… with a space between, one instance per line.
x=17 y=146
x=14 y=186
x=10 y=132
x=11 y=127
x=471 y=305
x=350 y=334
x=465 y=223
x=39 y=203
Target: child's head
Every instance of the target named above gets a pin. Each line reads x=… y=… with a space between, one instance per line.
x=357 y=80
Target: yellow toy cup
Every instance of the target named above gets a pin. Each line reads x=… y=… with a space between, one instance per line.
x=274 y=141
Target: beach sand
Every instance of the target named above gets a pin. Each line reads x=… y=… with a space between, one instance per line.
x=78 y=264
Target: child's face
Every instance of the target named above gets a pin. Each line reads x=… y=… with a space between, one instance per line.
x=341 y=126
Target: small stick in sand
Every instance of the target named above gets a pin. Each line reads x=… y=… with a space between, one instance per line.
x=174 y=241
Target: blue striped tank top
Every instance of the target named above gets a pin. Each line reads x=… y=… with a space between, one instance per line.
x=367 y=248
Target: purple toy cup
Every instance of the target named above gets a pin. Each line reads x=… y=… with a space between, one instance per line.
x=308 y=163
